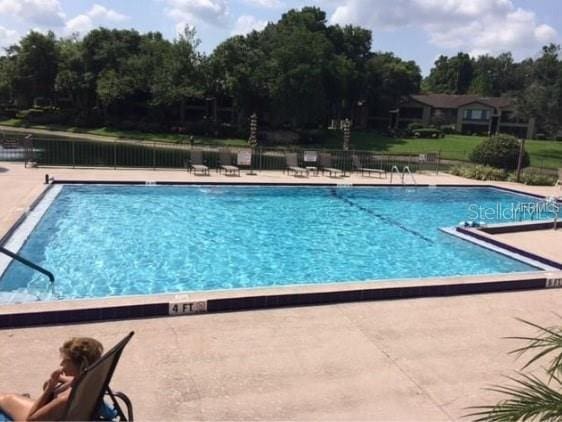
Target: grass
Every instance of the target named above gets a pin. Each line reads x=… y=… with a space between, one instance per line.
x=547 y=154
x=130 y=134
x=544 y=154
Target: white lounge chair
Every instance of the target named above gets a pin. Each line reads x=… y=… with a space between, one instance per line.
x=196 y=163
x=325 y=161
x=225 y=163
x=293 y=165
x=358 y=166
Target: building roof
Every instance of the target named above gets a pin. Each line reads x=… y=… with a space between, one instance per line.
x=456 y=101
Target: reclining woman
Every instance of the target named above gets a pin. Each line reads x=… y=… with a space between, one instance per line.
x=77 y=354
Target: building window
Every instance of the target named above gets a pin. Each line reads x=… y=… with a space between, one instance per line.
x=411 y=112
x=475 y=114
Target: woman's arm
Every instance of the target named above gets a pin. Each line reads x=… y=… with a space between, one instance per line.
x=51 y=411
x=45 y=407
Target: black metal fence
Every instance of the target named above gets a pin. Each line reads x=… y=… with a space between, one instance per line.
x=157 y=155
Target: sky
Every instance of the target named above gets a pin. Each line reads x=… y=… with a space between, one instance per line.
x=419 y=30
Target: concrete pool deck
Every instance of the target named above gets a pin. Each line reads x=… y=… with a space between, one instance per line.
x=421 y=359
x=416 y=359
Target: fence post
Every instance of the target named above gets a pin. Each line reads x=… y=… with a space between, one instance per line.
x=73 y=153
x=115 y=154
x=153 y=155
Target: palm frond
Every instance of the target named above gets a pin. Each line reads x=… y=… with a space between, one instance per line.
x=530 y=398
x=548 y=341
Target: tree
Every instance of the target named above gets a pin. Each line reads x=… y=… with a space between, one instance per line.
x=177 y=76
x=299 y=60
x=541 y=98
x=494 y=76
x=71 y=82
x=35 y=67
x=389 y=79
x=450 y=75
x=239 y=69
x=531 y=397
x=7 y=78
x=347 y=84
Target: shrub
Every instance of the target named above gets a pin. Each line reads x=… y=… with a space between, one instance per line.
x=448 y=129
x=534 y=178
x=500 y=151
x=48 y=115
x=428 y=133
x=479 y=172
x=87 y=119
x=412 y=127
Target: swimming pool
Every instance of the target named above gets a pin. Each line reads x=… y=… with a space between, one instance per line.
x=133 y=240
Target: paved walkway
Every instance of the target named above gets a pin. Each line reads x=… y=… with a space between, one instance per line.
x=422 y=359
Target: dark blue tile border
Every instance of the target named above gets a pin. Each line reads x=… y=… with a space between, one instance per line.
x=510 y=248
x=517 y=228
x=31 y=319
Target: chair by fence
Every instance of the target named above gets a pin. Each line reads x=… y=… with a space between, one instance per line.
x=325 y=161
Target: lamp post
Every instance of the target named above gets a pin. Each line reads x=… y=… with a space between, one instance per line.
x=346 y=139
x=253 y=139
x=520 y=158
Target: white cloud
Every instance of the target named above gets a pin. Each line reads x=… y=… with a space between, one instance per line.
x=36 y=12
x=246 y=24
x=8 y=37
x=81 y=24
x=96 y=16
x=102 y=13
x=264 y=3
x=474 y=26
x=545 y=34
x=212 y=12
x=9 y=7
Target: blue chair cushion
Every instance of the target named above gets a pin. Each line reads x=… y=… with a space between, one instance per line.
x=4 y=417
x=105 y=412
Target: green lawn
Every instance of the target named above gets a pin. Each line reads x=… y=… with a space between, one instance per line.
x=546 y=154
x=130 y=134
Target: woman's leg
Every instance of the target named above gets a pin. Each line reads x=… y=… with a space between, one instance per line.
x=15 y=405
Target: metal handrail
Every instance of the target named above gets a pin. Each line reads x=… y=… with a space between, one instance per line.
x=405 y=170
x=28 y=263
x=397 y=170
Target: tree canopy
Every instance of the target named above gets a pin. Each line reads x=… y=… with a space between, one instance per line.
x=299 y=72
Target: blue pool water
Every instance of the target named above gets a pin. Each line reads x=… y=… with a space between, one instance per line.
x=115 y=240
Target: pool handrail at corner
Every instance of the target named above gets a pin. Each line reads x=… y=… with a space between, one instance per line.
x=28 y=263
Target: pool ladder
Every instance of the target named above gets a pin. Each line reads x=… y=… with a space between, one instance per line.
x=28 y=263
x=402 y=174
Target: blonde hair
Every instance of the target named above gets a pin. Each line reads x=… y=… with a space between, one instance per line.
x=82 y=351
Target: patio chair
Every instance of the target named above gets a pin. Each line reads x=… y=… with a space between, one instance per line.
x=358 y=166
x=311 y=161
x=293 y=165
x=225 y=163
x=196 y=164
x=86 y=401
x=325 y=162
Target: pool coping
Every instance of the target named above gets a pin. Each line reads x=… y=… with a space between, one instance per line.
x=91 y=310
